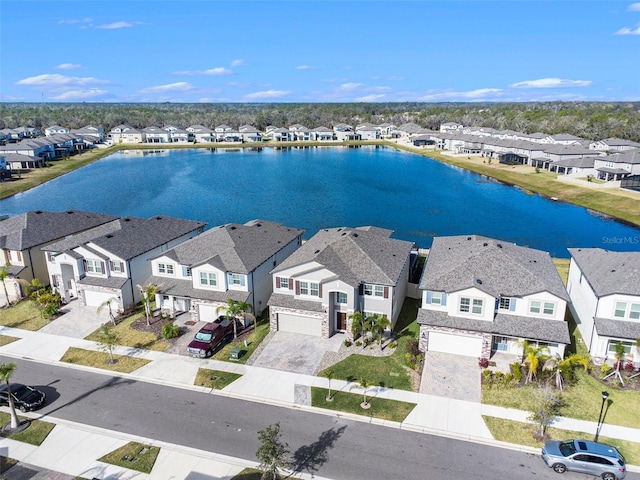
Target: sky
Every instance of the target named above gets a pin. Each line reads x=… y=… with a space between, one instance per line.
x=319 y=51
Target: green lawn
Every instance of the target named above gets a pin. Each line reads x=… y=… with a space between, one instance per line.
x=34 y=434
x=130 y=337
x=133 y=455
x=25 y=315
x=214 y=378
x=256 y=474
x=349 y=402
x=388 y=371
x=520 y=433
x=255 y=338
x=90 y=358
x=6 y=340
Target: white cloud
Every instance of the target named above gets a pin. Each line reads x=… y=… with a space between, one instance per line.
x=80 y=94
x=634 y=7
x=267 y=94
x=551 y=83
x=210 y=71
x=57 y=80
x=72 y=21
x=628 y=31
x=170 y=87
x=479 y=94
x=370 y=98
x=117 y=25
x=68 y=66
x=350 y=86
x=306 y=67
x=238 y=62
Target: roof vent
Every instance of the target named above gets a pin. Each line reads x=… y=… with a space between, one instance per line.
x=499 y=245
x=316 y=252
x=109 y=236
x=355 y=234
x=158 y=218
x=485 y=244
x=232 y=228
x=344 y=233
x=478 y=281
x=258 y=224
x=70 y=212
x=613 y=271
x=468 y=238
x=38 y=212
x=127 y=219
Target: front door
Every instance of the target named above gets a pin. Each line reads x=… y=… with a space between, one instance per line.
x=341 y=321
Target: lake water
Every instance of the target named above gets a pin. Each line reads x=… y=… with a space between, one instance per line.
x=315 y=188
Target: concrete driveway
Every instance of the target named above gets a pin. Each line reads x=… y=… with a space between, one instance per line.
x=451 y=376
x=77 y=321
x=294 y=352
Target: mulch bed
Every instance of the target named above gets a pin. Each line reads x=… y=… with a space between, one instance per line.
x=155 y=327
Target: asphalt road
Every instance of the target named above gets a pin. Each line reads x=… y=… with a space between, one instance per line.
x=321 y=444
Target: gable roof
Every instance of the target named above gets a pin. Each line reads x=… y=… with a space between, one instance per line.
x=497 y=268
x=129 y=237
x=609 y=272
x=39 y=227
x=356 y=255
x=234 y=247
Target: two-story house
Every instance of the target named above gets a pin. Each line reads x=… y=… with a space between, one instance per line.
x=111 y=260
x=231 y=261
x=337 y=272
x=481 y=296
x=604 y=287
x=22 y=236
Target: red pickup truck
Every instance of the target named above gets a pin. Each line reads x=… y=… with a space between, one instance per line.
x=210 y=337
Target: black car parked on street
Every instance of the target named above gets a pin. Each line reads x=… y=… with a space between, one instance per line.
x=25 y=398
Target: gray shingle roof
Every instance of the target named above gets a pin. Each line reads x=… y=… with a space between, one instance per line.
x=38 y=227
x=540 y=329
x=130 y=236
x=288 y=301
x=609 y=272
x=234 y=247
x=365 y=254
x=184 y=288
x=492 y=266
x=608 y=327
x=110 y=282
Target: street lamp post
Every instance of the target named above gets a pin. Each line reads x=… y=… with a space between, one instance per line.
x=605 y=395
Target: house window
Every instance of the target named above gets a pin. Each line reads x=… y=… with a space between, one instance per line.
x=621 y=310
x=464 y=304
x=611 y=347
x=315 y=291
x=379 y=291
x=549 y=308
x=477 y=306
x=94 y=266
x=235 y=279
x=304 y=288
x=368 y=290
x=284 y=283
x=341 y=298
x=115 y=267
x=504 y=303
x=436 y=298
x=473 y=305
x=634 y=312
x=535 y=306
x=208 y=279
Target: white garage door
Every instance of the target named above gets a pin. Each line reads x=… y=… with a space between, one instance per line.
x=457 y=344
x=207 y=313
x=300 y=324
x=95 y=299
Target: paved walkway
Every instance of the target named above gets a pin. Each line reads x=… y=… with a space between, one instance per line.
x=74 y=449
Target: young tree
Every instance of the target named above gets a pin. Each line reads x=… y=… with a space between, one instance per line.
x=107 y=303
x=273 y=452
x=619 y=354
x=107 y=341
x=6 y=372
x=148 y=296
x=533 y=356
x=545 y=410
x=562 y=368
x=378 y=325
x=330 y=374
x=364 y=385
x=357 y=324
x=236 y=309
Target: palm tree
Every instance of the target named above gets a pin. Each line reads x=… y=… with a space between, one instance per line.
x=107 y=341
x=619 y=354
x=236 y=309
x=360 y=325
x=330 y=375
x=364 y=384
x=560 y=366
x=107 y=304
x=148 y=295
x=3 y=275
x=378 y=325
x=6 y=371
x=532 y=358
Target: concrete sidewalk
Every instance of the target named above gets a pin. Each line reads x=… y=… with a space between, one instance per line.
x=432 y=414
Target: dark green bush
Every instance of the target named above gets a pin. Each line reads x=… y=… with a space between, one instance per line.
x=169 y=330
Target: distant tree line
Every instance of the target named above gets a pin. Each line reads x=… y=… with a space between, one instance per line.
x=589 y=120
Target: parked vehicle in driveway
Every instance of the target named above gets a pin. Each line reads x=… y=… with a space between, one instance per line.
x=585 y=457
x=25 y=398
x=209 y=337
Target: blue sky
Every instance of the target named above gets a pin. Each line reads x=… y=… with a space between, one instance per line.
x=319 y=51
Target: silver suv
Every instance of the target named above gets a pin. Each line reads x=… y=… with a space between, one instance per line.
x=585 y=457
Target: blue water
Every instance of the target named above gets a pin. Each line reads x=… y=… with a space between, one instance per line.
x=316 y=188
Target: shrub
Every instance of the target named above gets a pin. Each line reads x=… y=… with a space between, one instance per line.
x=347 y=343
x=169 y=330
x=392 y=344
x=516 y=371
x=487 y=376
x=412 y=347
x=358 y=343
x=483 y=362
x=628 y=366
x=604 y=370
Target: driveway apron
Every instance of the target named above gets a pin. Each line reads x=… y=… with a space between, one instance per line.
x=451 y=376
